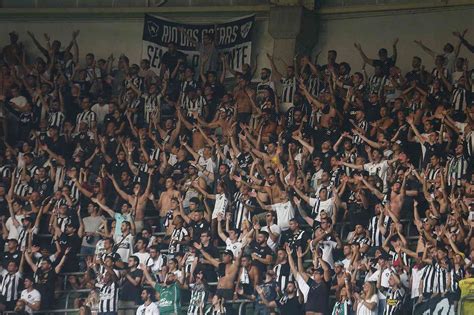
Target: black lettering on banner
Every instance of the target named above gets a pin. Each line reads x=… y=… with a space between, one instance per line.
x=154 y=55
x=234 y=38
x=195 y=60
x=244 y=55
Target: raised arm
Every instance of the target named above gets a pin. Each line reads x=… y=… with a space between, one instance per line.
x=208 y=257
x=363 y=55
x=277 y=75
x=425 y=48
x=121 y=193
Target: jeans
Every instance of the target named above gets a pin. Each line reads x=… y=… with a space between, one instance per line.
x=381 y=306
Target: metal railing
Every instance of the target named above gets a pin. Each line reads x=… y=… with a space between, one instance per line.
x=464 y=309
x=239 y=303
x=123 y=3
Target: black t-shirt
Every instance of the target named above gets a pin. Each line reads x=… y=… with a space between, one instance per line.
x=7 y=257
x=198 y=228
x=262 y=252
x=318 y=297
x=44 y=283
x=385 y=64
x=57 y=146
x=288 y=305
x=208 y=269
x=74 y=242
x=130 y=292
x=170 y=60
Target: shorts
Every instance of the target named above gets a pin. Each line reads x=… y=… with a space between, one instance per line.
x=227 y=294
x=244 y=117
x=138 y=226
x=284 y=107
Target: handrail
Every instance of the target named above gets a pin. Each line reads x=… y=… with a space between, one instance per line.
x=241 y=303
x=461 y=303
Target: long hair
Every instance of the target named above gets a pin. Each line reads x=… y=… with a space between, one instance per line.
x=371 y=290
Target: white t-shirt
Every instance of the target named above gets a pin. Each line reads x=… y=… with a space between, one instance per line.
x=156 y=265
x=151 y=309
x=91 y=225
x=142 y=257
x=275 y=230
x=14 y=231
x=20 y=101
x=415 y=281
x=380 y=169
x=383 y=281
x=327 y=247
x=125 y=246
x=326 y=206
x=31 y=297
x=234 y=247
x=364 y=310
x=284 y=212
x=100 y=111
x=220 y=206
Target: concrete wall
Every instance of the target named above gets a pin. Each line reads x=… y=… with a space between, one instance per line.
x=104 y=36
x=377 y=30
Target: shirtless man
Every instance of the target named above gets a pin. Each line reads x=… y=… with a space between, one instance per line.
x=227 y=271
x=197 y=137
x=164 y=203
x=137 y=201
x=242 y=95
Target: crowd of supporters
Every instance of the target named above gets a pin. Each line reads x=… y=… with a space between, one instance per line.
x=316 y=188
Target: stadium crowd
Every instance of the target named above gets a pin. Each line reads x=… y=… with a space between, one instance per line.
x=314 y=189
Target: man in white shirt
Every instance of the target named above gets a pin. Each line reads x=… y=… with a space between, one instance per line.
x=273 y=231
x=148 y=307
x=100 y=109
x=384 y=270
x=124 y=242
x=141 y=253
x=232 y=242
x=284 y=210
x=30 y=296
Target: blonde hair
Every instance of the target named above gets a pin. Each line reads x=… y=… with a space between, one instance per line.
x=371 y=290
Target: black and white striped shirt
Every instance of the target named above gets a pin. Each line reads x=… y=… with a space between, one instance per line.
x=241 y=213
x=376 y=236
x=185 y=84
x=283 y=275
x=22 y=190
x=442 y=279
x=428 y=277
x=198 y=298
x=194 y=105
x=363 y=125
x=394 y=301
x=177 y=236
x=457 y=168
x=459 y=99
x=9 y=285
x=108 y=297
x=433 y=173
x=56 y=119
x=152 y=104
x=469 y=144
x=88 y=117
x=314 y=86
x=376 y=84
x=289 y=89
x=438 y=74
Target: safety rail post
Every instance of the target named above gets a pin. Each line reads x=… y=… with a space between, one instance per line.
x=460 y=310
